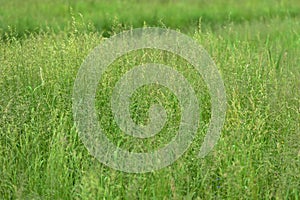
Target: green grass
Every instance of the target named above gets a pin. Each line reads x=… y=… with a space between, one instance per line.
x=257 y=156
x=32 y=15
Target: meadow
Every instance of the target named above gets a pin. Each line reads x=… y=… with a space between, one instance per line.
x=256 y=47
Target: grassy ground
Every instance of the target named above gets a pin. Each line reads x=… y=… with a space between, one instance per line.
x=32 y=15
x=256 y=48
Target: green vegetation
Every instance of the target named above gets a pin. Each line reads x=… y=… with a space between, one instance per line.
x=32 y=15
x=256 y=46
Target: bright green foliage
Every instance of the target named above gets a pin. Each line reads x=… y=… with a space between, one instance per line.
x=257 y=156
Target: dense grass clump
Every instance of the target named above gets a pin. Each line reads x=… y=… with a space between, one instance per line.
x=257 y=156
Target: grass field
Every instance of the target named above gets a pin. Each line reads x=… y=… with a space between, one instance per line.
x=256 y=47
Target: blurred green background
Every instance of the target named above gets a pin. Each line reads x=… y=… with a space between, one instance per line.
x=33 y=15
